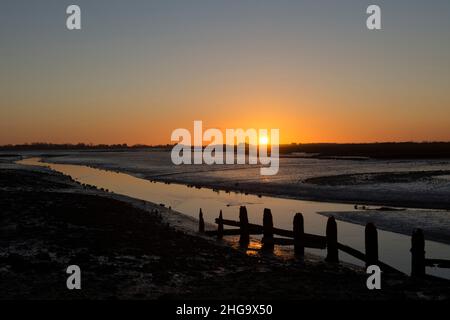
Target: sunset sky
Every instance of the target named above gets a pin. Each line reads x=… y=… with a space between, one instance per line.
x=139 y=69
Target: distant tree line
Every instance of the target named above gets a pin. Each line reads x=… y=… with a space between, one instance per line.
x=78 y=146
x=381 y=150
x=385 y=150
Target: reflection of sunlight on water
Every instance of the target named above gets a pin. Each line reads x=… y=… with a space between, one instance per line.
x=254 y=248
x=284 y=251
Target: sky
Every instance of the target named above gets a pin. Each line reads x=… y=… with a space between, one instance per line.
x=140 y=69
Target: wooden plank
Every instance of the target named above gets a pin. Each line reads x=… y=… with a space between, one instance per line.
x=437 y=263
x=353 y=252
x=418 y=254
x=361 y=256
x=332 y=247
x=307 y=244
x=283 y=241
x=220 y=226
x=201 y=222
x=231 y=232
x=231 y=223
x=317 y=239
x=387 y=268
x=244 y=239
x=314 y=242
x=267 y=239
x=283 y=233
x=299 y=235
x=371 y=237
x=279 y=232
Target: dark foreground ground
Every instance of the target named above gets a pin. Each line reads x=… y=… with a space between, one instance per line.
x=48 y=222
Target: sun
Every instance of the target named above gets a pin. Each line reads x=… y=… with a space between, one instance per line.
x=263 y=140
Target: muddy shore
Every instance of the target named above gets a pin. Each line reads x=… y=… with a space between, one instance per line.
x=129 y=251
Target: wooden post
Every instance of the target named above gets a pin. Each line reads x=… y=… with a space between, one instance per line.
x=332 y=248
x=243 y=223
x=299 y=235
x=418 y=254
x=201 y=222
x=371 y=245
x=220 y=226
x=267 y=240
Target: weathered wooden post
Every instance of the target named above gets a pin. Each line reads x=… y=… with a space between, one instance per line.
x=418 y=254
x=201 y=222
x=371 y=245
x=331 y=234
x=267 y=240
x=243 y=224
x=299 y=235
x=220 y=226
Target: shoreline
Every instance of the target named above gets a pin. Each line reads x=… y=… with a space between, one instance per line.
x=122 y=258
x=255 y=189
x=434 y=228
x=136 y=264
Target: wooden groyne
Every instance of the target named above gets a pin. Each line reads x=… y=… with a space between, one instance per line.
x=298 y=238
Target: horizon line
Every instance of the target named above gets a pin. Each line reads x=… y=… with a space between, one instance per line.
x=140 y=145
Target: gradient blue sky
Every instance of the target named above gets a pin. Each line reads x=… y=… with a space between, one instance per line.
x=139 y=69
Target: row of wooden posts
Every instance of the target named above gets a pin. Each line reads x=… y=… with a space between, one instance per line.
x=301 y=240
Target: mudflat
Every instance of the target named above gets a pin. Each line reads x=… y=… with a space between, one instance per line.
x=48 y=222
